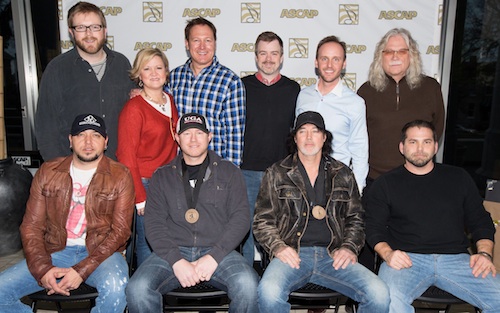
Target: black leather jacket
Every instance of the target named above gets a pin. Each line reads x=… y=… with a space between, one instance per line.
x=282 y=210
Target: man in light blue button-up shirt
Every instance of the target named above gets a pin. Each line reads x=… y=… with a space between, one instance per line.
x=342 y=110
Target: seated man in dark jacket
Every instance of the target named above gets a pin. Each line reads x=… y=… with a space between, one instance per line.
x=77 y=222
x=196 y=215
x=309 y=218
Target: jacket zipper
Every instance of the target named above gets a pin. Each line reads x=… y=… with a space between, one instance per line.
x=397 y=96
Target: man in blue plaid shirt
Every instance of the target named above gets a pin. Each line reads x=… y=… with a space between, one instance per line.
x=203 y=85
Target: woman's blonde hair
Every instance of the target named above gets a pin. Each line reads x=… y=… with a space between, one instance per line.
x=144 y=56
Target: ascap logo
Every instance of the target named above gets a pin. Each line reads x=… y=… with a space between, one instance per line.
x=246 y=73
x=299 y=13
x=163 y=46
x=66 y=44
x=243 y=47
x=397 y=15
x=348 y=14
x=298 y=48
x=22 y=160
x=432 y=50
x=440 y=14
x=60 y=9
x=250 y=12
x=304 y=81
x=355 y=48
x=349 y=80
x=110 y=42
x=203 y=12
x=111 y=10
x=152 y=12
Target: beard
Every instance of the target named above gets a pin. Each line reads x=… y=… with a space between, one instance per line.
x=419 y=162
x=89 y=158
x=90 y=49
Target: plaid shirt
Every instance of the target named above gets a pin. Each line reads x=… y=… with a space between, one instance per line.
x=218 y=94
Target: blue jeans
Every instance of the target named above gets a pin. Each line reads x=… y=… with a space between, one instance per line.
x=252 y=180
x=109 y=278
x=142 y=249
x=355 y=282
x=450 y=272
x=155 y=277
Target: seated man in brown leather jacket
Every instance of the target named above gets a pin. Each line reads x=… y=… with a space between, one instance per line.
x=309 y=219
x=77 y=221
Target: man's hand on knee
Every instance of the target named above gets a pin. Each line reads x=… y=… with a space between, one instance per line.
x=49 y=280
x=185 y=273
x=343 y=257
x=71 y=281
x=481 y=266
x=398 y=259
x=289 y=256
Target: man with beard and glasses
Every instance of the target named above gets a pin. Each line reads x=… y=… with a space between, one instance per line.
x=76 y=225
x=270 y=108
x=415 y=221
x=342 y=109
x=88 y=78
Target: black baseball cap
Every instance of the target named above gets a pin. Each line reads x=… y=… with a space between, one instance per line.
x=84 y=122
x=310 y=117
x=192 y=120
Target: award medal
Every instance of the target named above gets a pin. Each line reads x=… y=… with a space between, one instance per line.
x=319 y=212
x=192 y=216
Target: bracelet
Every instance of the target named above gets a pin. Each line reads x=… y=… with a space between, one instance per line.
x=486 y=254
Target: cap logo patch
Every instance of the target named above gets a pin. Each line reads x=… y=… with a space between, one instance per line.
x=90 y=120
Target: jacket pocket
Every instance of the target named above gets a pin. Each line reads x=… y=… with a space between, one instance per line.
x=341 y=194
x=106 y=202
x=288 y=192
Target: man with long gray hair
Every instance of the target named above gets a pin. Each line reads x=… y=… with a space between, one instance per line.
x=397 y=91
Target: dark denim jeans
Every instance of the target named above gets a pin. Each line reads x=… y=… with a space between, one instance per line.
x=155 y=277
x=252 y=180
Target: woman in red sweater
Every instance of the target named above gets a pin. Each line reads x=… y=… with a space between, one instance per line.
x=146 y=128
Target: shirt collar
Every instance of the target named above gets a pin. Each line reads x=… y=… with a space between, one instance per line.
x=337 y=90
x=267 y=82
x=215 y=62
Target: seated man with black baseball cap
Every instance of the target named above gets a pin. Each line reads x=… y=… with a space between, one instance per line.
x=77 y=221
x=309 y=219
x=196 y=215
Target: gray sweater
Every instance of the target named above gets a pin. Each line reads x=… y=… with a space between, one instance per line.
x=222 y=205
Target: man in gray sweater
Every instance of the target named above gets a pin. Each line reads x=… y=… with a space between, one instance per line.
x=196 y=215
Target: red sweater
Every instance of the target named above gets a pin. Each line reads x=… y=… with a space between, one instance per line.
x=145 y=140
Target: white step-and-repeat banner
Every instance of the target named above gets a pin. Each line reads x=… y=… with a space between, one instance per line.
x=135 y=24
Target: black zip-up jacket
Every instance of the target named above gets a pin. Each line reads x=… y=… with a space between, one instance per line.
x=224 y=216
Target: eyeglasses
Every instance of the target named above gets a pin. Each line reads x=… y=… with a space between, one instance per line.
x=83 y=28
x=391 y=53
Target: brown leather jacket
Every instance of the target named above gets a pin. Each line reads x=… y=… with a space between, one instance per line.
x=109 y=207
x=282 y=211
